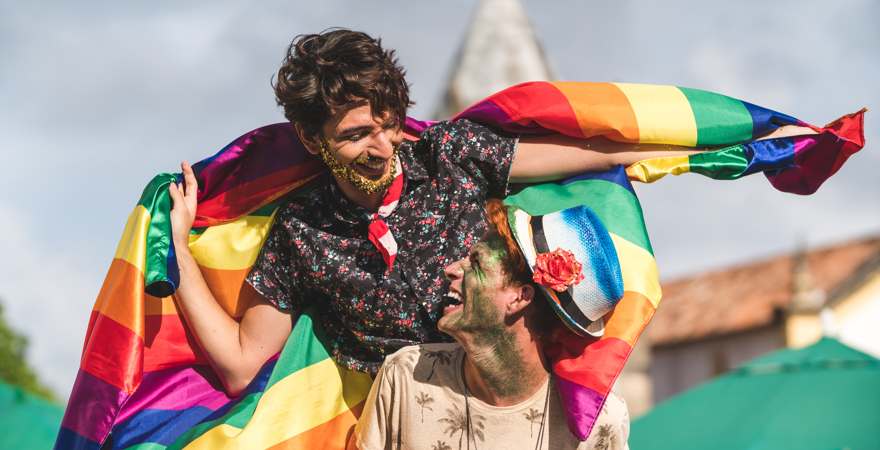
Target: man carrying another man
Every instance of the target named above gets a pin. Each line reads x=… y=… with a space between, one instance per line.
x=492 y=388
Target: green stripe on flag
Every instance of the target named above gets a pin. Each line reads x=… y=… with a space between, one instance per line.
x=617 y=207
x=156 y=199
x=304 y=347
x=725 y=164
x=721 y=120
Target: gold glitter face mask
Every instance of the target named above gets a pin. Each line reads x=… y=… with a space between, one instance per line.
x=360 y=182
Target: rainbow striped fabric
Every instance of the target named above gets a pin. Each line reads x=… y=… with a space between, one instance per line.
x=144 y=384
x=584 y=367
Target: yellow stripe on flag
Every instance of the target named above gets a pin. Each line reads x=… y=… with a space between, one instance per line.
x=663 y=113
x=292 y=406
x=231 y=246
x=651 y=170
x=639 y=269
x=132 y=247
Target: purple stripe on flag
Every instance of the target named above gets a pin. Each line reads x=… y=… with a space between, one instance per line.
x=269 y=149
x=814 y=162
x=490 y=113
x=416 y=126
x=175 y=389
x=92 y=406
x=582 y=406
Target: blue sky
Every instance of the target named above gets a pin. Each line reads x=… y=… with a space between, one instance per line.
x=99 y=96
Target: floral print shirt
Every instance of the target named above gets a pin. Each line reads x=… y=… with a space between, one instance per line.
x=317 y=254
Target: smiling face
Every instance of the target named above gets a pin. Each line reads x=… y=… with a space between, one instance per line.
x=359 y=148
x=480 y=291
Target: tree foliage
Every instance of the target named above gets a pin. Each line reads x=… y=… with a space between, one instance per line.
x=14 y=369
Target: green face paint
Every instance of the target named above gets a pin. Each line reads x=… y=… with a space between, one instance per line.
x=483 y=277
x=498 y=358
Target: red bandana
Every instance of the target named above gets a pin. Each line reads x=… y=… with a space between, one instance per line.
x=379 y=234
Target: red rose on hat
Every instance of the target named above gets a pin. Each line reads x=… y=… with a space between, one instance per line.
x=557 y=270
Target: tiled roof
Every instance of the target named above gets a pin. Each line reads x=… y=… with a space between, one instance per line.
x=752 y=295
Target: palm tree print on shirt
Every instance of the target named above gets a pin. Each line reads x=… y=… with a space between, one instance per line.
x=605 y=437
x=457 y=422
x=534 y=417
x=440 y=445
x=439 y=356
x=423 y=400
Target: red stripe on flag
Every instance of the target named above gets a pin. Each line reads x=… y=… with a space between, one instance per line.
x=169 y=344
x=113 y=353
x=228 y=205
x=595 y=365
x=539 y=102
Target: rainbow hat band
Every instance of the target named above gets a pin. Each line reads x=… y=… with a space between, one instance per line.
x=582 y=305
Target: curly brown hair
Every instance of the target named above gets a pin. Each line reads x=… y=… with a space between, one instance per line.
x=335 y=70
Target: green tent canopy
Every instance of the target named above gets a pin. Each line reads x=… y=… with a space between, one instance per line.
x=825 y=396
x=28 y=422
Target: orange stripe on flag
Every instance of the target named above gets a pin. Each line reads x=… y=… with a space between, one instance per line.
x=629 y=317
x=156 y=306
x=332 y=434
x=601 y=110
x=121 y=296
x=226 y=285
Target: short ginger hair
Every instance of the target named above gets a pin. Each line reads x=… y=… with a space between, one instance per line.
x=541 y=318
x=514 y=262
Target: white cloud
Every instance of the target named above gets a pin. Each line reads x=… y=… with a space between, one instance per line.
x=47 y=295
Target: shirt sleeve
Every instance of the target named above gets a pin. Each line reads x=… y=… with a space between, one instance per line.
x=374 y=428
x=271 y=273
x=481 y=152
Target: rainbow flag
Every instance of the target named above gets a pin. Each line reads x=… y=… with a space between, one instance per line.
x=143 y=383
x=585 y=367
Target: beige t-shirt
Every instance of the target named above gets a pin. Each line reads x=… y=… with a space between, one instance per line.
x=417 y=402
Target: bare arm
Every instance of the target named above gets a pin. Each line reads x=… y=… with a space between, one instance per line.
x=236 y=350
x=553 y=157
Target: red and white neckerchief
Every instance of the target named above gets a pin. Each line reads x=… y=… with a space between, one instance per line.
x=378 y=231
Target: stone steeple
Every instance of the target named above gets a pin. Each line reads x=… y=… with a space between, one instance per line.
x=500 y=49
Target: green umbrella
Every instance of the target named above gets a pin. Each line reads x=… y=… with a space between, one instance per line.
x=28 y=422
x=825 y=396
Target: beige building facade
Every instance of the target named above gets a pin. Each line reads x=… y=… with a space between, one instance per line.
x=710 y=323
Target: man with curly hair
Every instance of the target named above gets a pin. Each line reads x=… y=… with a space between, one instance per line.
x=365 y=244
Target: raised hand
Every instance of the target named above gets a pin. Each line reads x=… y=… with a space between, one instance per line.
x=183 y=211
